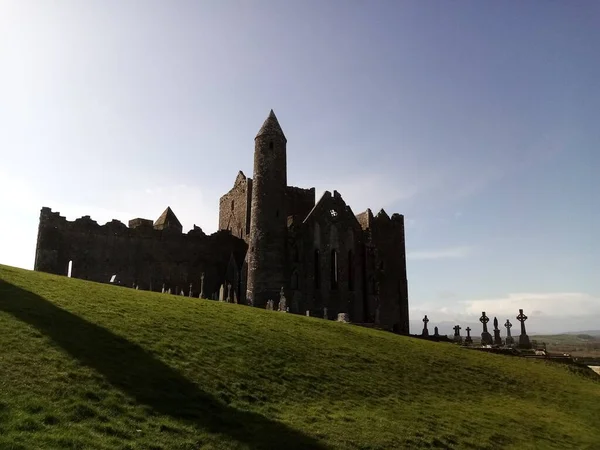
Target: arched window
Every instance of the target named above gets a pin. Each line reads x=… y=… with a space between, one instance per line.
x=317 y=269
x=350 y=270
x=334 y=269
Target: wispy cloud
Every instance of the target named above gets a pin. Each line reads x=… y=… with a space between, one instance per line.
x=563 y=304
x=445 y=253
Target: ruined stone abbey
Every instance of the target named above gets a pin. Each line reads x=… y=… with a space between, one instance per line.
x=271 y=236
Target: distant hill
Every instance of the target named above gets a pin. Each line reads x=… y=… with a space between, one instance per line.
x=95 y=366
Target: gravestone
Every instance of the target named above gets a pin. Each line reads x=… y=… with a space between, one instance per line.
x=163 y=289
x=190 y=293
x=235 y=300
x=436 y=333
x=201 y=286
x=497 y=338
x=325 y=313
x=486 y=337
x=468 y=339
x=181 y=293
x=307 y=313
x=343 y=317
x=523 y=338
x=425 y=331
x=457 y=337
x=228 y=299
x=509 y=339
x=282 y=301
x=169 y=291
x=221 y=293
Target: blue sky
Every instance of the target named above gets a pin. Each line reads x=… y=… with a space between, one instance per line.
x=476 y=120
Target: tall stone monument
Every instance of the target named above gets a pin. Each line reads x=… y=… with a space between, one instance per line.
x=201 y=286
x=523 y=338
x=468 y=339
x=497 y=338
x=425 y=331
x=486 y=337
x=509 y=338
x=457 y=337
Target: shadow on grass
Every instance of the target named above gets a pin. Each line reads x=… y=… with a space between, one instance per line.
x=130 y=368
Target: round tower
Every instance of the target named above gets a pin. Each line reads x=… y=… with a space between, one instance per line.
x=268 y=217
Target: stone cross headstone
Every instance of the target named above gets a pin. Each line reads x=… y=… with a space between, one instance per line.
x=523 y=338
x=202 y=285
x=509 y=338
x=486 y=337
x=228 y=299
x=468 y=339
x=425 y=331
x=325 y=313
x=222 y=293
x=436 y=333
x=497 y=338
x=457 y=337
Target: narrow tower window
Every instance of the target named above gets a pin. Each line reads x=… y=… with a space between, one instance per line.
x=317 y=270
x=232 y=204
x=334 y=270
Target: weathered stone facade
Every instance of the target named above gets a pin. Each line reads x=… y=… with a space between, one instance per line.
x=271 y=236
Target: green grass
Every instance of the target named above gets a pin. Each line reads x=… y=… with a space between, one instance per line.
x=94 y=366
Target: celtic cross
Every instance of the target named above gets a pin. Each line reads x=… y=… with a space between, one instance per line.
x=508 y=326
x=522 y=318
x=484 y=320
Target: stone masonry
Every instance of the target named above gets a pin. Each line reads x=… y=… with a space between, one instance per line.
x=271 y=236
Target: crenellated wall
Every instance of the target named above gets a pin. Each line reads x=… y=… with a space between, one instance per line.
x=141 y=255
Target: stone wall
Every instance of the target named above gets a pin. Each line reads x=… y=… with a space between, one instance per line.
x=386 y=271
x=299 y=202
x=143 y=256
x=330 y=238
x=234 y=208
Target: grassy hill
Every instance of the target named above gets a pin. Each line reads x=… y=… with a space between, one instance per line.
x=87 y=365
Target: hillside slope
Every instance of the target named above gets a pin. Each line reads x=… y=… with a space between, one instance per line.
x=88 y=365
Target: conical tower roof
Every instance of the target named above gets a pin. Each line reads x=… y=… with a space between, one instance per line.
x=167 y=219
x=271 y=127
